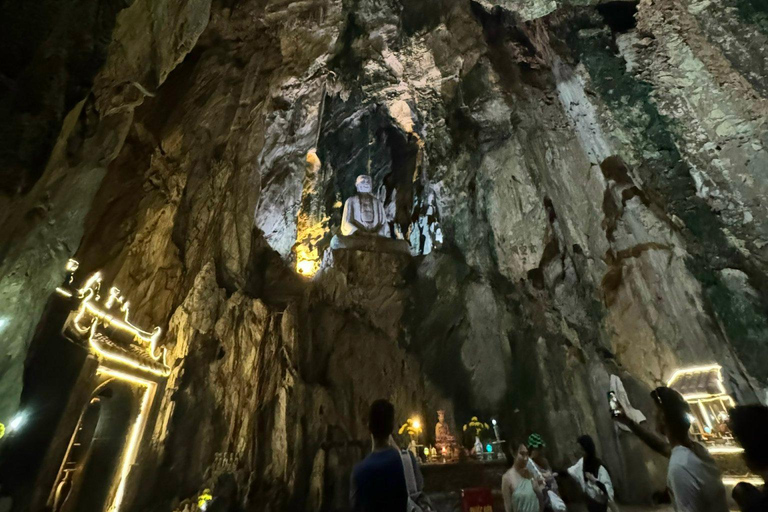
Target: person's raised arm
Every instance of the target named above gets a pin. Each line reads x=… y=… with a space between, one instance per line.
x=654 y=441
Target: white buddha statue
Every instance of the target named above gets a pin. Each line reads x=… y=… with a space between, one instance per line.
x=364 y=212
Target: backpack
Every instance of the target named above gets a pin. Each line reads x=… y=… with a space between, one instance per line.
x=417 y=500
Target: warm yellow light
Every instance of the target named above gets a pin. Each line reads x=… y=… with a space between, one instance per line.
x=131 y=450
x=725 y=449
x=112 y=321
x=112 y=356
x=62 y=291
x=416 y=424
x=733 y=480
x=703 y=396
x=307 y=267
x=313 y=160
x=692 y=369
x=90 y=307
x=72 y=265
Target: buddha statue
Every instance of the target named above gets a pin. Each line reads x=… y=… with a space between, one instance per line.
x=444 y=441
x=364 y=212
x=365 y=224
x=441 y=429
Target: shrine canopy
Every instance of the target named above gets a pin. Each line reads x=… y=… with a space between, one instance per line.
x=703 y=388
x=698 y=382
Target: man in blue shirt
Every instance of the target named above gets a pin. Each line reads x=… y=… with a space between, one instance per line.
x=378 y=482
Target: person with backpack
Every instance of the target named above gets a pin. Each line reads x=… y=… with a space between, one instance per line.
x=380 y=483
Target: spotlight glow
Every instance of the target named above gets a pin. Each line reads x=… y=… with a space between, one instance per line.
x=17 y=422
x=306 y=267
x=726 y=449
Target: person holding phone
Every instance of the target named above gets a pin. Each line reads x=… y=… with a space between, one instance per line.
x=693 y=477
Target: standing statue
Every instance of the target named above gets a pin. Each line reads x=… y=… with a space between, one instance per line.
x=364 y=213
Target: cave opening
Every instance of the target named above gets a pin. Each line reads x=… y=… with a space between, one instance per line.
x=86 y=477
x=401 y=180
x=621 y=16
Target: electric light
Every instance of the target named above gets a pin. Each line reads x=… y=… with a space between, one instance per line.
x=62 y=291
x=72 y=265
x=692 y=369
x=493 y=422
x=88 y=318
x=699 y=369
x=130 y=452
x=726 y=449
x=89 y=295
x=417 y=424
x=705 y=416
x=489 y=448
x=306 y=267
x=17 y=422
x=733 y=480
x=113 y=356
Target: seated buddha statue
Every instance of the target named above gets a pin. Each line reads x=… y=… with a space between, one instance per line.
x=364 y=224
x=364 y=212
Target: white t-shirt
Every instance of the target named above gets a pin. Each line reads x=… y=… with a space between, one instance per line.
x=695 y=481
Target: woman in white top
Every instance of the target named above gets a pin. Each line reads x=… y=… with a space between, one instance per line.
x=592 y=476
x=521 y=491
x=693 y=478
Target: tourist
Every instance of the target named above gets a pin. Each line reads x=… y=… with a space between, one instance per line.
x=591 y=475
x=378 y=482
x=541 y=470
x=749 y=424
x=521 y=492
x=693 y=478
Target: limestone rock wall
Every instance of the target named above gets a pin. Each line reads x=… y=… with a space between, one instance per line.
x=582 y=186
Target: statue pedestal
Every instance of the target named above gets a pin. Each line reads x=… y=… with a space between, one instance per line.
x=372 y=283
x=370 y=243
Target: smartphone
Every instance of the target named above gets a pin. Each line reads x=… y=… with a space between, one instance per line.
x=613 y=402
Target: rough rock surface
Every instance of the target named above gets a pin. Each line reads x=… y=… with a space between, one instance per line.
x=583 y=187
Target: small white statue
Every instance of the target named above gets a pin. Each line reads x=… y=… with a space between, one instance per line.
x=364 y=212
